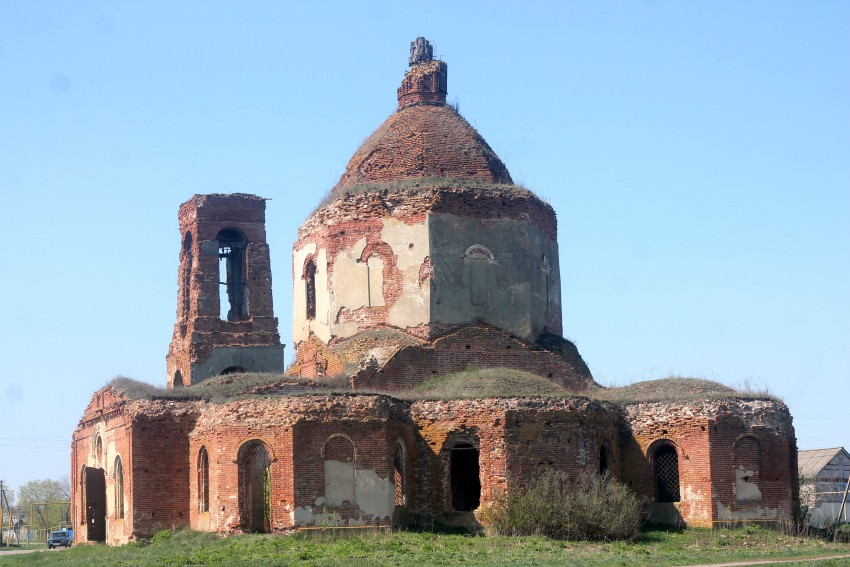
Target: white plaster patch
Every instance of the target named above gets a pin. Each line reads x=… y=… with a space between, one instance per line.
x=339 y=483
x=375 y=269
x=375 y=495
x=746 y=490
x=321 y=325
x=410 y=244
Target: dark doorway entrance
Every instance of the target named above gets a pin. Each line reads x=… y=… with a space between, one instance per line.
x=255 y=486
x=464 y=471
x=95 y=504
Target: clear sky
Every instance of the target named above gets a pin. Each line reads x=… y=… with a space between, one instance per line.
x=696 y=154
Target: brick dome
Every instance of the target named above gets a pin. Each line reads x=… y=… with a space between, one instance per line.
x=425 y=138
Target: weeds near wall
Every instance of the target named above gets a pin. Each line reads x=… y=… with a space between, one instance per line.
x=559 y=506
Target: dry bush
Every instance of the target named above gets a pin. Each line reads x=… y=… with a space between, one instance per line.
x=586 y=506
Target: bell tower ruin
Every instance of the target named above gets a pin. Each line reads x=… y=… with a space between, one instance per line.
x=225 y=320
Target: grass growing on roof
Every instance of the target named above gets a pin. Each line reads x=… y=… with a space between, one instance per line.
x=486 y=383
x=677 y=388
x=228 y=387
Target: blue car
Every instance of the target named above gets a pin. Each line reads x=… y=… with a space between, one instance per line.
x=60 y=537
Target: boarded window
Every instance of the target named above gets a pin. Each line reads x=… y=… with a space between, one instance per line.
x=464 y=475
x=234 y=289
x=203 y=480
x=478 y=259
x=667 y=474
x=747 y=470
x=375 y=281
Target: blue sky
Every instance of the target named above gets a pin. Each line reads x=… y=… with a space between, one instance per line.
x=696 y=154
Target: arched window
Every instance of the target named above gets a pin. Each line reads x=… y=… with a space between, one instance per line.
x=747 y=464
x=399 y=468
x=118 y=474
x=310 y=288
x=187 y=275
x=178 y=379
x=203 y=481
x=666 y=474
x=98 y=450
x=339 y=455
x=478 y=259
x=234 y=290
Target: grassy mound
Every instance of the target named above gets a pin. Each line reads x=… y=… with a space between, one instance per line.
x=486 y=383
x=676 y=388
x=225 y=388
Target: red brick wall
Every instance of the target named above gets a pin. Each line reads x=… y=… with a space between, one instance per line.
x=478 y=346
x=160 y=471
x=199 y=328
x=703 y=433
x=107 y=416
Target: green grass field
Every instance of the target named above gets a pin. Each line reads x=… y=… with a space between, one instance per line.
x=656 y=548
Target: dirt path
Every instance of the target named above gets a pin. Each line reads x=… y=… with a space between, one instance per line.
x=22 y=551
x=774 y=561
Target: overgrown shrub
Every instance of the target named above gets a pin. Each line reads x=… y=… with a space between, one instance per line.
x=585 y=506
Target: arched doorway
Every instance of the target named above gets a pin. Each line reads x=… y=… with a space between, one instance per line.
x=255 y=486
x=666 y=474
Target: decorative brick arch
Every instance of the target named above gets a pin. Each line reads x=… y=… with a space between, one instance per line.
x=340 y=449
x=479 y=251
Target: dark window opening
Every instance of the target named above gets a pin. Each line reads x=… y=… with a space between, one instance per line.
x=203 y=481
x=119 y=488
x=178 y=379
x=603 y=460
x=465 y=481
x=98 y=449
x=667 y=474
x=255 y=486
x=187 y=274
x=95 y=483
x=231 y=261
x=233 y=370
x=310 y=291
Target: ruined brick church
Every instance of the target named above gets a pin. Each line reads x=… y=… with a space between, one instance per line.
x=425 y=261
